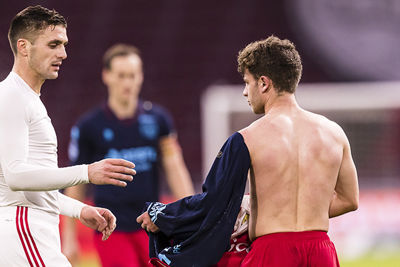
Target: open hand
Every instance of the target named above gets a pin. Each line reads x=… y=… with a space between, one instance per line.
x=111 y=171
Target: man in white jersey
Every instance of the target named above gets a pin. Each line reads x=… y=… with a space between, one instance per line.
x=30 y=203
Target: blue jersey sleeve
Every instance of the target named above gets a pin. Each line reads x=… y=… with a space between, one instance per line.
x=165 y=121
x=200 y=226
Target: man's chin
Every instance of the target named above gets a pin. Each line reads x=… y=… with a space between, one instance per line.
x=52 y=76
x=257 y=111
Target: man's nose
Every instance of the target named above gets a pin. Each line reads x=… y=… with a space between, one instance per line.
x=245 y=92
x=62 y=53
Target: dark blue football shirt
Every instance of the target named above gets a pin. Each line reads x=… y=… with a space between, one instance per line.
x=195 y=230
x=100 y=134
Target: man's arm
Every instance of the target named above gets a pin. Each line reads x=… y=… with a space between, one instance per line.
x=20 y=175
x=98 y=219
x=70 y=244
x=346 y=194
x=178 y=177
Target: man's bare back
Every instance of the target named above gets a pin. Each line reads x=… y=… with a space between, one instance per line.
x=296 y=156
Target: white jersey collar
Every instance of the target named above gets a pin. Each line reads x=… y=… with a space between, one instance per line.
x=21 y=83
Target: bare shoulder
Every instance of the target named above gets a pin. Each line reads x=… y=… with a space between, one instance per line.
x=327 y=125
x=245 y=132
x=249 y=130
x=251 y=133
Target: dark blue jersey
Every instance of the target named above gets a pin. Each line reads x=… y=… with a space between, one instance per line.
x=195 y=230
x=100 y=134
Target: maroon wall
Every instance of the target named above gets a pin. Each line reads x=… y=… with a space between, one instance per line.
x=186 y=46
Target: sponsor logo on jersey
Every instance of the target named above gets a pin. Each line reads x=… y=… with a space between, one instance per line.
x=75 y=133
x=143 y=157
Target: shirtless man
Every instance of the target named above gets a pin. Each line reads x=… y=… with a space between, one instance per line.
x=302 y=172
x=301 y=169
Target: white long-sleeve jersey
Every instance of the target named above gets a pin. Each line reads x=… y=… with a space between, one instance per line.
x=29 y=173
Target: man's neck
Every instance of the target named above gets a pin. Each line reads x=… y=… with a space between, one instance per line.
x=279 y=102
x=123 y=110
x=32 y=79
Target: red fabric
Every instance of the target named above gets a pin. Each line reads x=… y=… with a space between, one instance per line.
x=237 y=252
x=292 y=249
x=22 y=238
x=232 y=258
x=123 y=249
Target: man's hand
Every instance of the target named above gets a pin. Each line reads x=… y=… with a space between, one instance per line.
x=146 y=223
x=98 y=219
x=111 y=171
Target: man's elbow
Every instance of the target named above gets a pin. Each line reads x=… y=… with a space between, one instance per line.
x=15 y=187
x=13 y=184
x=353 y=205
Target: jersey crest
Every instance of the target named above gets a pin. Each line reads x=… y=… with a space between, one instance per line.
x=108 y=134
x=148 y=126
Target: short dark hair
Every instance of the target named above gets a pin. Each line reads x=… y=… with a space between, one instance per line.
x=275 y=58
x=118 y=50
x=31 y=20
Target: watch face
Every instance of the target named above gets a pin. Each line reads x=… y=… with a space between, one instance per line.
x=356 y=39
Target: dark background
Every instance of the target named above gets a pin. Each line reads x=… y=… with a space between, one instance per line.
x=186 y=47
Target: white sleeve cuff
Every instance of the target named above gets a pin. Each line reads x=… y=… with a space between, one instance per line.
x=85 y=173
x=69 y=206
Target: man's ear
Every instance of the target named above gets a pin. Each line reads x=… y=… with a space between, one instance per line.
x=23 y=46
x=104 y=76
x=265 y=83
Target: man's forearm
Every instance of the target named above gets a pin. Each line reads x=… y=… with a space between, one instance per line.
x=26 y=177
x=178 y=177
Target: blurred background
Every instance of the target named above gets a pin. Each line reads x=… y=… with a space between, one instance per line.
x=351 y=67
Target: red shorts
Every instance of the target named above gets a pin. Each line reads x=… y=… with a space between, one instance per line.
x=238 y=251
x=292 y=249
x=123 y=249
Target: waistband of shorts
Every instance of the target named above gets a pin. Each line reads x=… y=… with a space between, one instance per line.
x=294 y=236
x=10 y=212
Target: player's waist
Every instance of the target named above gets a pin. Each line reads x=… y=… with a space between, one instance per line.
x=293 y=236
x=13 y=213
x=43 y=201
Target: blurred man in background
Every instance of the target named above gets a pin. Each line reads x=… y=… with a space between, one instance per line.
x=30 y=203
x=301 y=174
x=136 y=130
